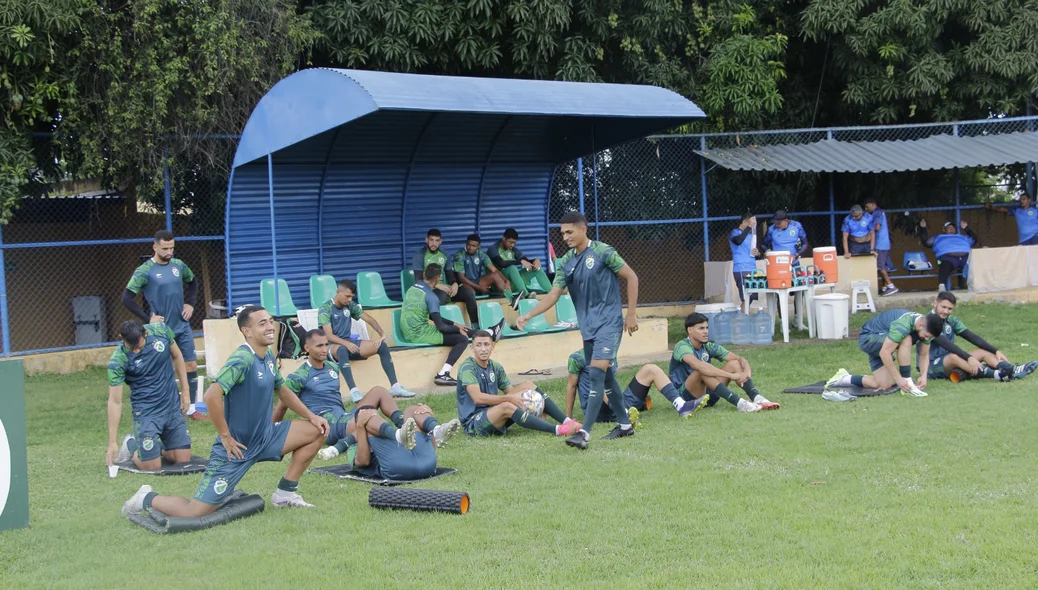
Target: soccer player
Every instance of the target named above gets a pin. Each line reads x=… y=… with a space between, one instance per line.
x=336 y=317
x=590 y=271
x=887 y=337
x=948 y=361
x=881 y=245
x=145 y=361
x=635 y=396
x=951 y=248
x=488 y=402
x=744 y=254
x=476 y=272
x=857 y=228
x=162 y=280
x=240 y=408
x=508 y=258
x=1026 y=219
x=378 y=451
x=445 y=292
x=786 y=235
x=690 y=369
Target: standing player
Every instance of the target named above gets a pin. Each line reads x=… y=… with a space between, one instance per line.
x=240 y=408
x=635 y=397
x=786 y=235
x=488 y=402
x=590 y=270
x=887 y=337
x=336 y=317
x=857 y=228
x=691 y=370
x=744 y=254
x=476 y=272
x=881 y=229
x=162 y=280
x=1026 y=219
x=145 y=361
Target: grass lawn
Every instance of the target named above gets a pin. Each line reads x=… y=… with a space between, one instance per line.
x=883 y=492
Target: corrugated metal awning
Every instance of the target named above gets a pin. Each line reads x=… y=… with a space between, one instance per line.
x=932 y=153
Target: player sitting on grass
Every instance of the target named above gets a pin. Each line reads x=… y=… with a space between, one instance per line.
x=240 y=409
x=948 y=361
x=888 y=337
x=635 y=397
x=488 y=403
x=378 y=450
x=690 y=369
x=145 y=361
x=336 y=317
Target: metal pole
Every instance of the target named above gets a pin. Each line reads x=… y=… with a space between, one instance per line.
x=273 y=236
x=580 y=182
x=594 y=188
x=702 y=191
x=832 y=199
x=166 y=190
x=958 y=197
x=1029 y=180
x=4 y=323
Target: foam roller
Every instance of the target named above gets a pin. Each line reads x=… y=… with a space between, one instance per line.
x=410 y=499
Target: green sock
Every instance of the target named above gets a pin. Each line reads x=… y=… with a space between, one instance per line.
x=344 y=367
x=553 y=409
x=387 y=431
x=594 y=397
x=722 y=391
x=288 y=485
x=131 y=444
x=429 y=424
x=616 y=398
x=670 y=392
x=986 y=371
x=397 y=418
x=192 y=383
x=906 y=371
x=345 y=442
x=147 y=499
x=750 y=389
x=528 y=420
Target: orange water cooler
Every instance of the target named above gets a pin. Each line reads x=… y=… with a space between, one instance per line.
x=828 y=262
x=780 y=269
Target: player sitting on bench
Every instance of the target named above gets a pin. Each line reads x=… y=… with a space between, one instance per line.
x=951 y=248
x=448 y=289
x=510 y=259
x=473 y=268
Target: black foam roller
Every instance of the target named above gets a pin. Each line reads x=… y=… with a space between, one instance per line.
x=410 y=499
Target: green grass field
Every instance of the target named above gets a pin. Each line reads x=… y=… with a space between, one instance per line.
x=883 y=492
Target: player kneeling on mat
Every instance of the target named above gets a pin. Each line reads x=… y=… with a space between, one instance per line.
x=240 y=408
x=635 y=397
x=145 y=361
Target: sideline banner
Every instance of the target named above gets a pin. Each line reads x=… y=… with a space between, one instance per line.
x=14 y=475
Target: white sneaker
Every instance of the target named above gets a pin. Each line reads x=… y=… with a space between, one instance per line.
x=124 y=450
x=405 y=434
x=914 y=391
x=399 y=391
x=356 y=395
x=745 y=406
x=444 y=432
x=283 y=499
x=136 y=502
x=837 y=379
x=327 y=453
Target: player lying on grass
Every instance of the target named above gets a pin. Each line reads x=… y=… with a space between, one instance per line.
x=888 y=339
x=690 y=369
x=488 y=402
x=948 y=361
x=635 y=397
x=145 y=361
x=240 y=408
x=378 y=449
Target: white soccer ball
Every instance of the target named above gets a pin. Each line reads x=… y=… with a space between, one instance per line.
x=533 y=401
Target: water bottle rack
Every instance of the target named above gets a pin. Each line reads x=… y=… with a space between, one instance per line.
x=802 y=276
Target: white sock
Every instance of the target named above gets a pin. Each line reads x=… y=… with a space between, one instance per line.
x=678 y=403
x=626 y=426
x=742 y=403
x=845 y=380
x=997 y=376
x=395 y=385
x=400 y=435
x=587 y=436
x=446 y=369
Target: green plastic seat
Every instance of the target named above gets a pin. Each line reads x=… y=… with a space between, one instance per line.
x=267 y=299
x=537 y=325
x=406 y=281
x=453 y=313
x=372 y=293
x=398 y=333
x=564 y=310
x=490 y=314
x=536 y=280
x=322 y=288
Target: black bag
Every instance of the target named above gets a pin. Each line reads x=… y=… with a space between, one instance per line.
x=290 y=344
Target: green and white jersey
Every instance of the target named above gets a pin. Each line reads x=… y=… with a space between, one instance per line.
x=249 y=382
x=492 y=380
x=473 y=266
x=419 y=302
x=341 y=318
x=163 y=288
x=149 y=373
x=896 y=324
x=591 y=279
x=951 y=328
x=424 y=258
x=679 y=369
x=318 y=389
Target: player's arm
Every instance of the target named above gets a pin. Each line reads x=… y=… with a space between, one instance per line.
x=293 y=402
x=804 y=244
x=459 y=274
x=705 y=368
x=571 y=393
x=191 y=296
x=886 y=354
x=279 y=411
x=129 y=301
x=743 y=363
x=872 y=241
x=846 y=248
x=924 y=234
x=977 y=341
x=332 y=338
x=923 y=352
x=546 y=303
x=484 y=399
x=214 y=404
x=628 y=274
x=1006 y=209
x=115 y=412
x=181 y=368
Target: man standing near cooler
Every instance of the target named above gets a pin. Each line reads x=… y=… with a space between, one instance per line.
x=882 y=245
x=786 y=235
x=744 y=252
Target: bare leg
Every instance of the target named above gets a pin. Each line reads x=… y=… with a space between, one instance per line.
x=381 y=399
x=303 y=441
x=886 y=276
x=175 y=456
x=651 y=374
x=879 y=379
x=368 y=348
x=983 y=356
x=180 y=506
x=500 y=414
x=420 y=413
x=695 y=385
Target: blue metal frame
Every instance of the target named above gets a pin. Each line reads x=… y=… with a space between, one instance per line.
x=703 y=192
x=5 y=328
x=407 y=186
x=166 y=192
x=227 y=249
x=486 y=164
x=273 y=234
x=320 y=202
x=580 y=183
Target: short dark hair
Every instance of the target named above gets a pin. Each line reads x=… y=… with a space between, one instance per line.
x=348 y=284
x=574 y=217
x=745 y=216
x=511 y=234
x=947 y=296
x=473 y=238
x=163 y=236
x=871 y=201
x=311 y=334
x=131 y=331
x=934 y=324
x=433 y=271
x=780 y=215
x=433 y=233
x=481 y=334
x=245 y=313
x=693 y=319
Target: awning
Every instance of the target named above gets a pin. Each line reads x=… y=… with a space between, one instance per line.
x=932 y=153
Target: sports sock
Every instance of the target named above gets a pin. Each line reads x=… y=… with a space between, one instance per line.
x=750 y=389
x=858 y=380
x=147 y=499
x=722 y=391
x=345 y=442
x=552 y=409
x=287 y=485
x=528 y=420
x=670 y=392
x=429 y=424
x=387 y=430
x=387 y=362
x=616 y=398
x=446 y=369
x=986 y=371
x=594 y=397
x=131 y=444
x=397 y=418
x=192 y=383
x=344 y=367
x=906 y=371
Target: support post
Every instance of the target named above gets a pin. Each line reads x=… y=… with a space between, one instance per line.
x=832 y=199
x=1029 y=180
x=5 y=327
x=702 y=191
x=14 y=475
x=580 y=183
x=273 y=235
x=166 y=192
x=594 y=189
x=958 y=195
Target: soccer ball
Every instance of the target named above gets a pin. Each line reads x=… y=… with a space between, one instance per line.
x=533 y=401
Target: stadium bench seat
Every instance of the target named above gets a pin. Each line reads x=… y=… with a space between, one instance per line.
x=406 y=281
x=322 y=288
x=916 y=262
x=538 y=324
x=267 y=299
x=536 y=280
x=453 y=313
x=398 y=333
x=490 y=314
x=564 y=310
x=372 y=293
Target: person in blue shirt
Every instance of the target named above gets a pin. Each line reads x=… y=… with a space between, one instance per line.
x=881 y=246
x=786 y=235
x=858 y=237
x=744 y=254
x=1026 y=219
x=951 y=248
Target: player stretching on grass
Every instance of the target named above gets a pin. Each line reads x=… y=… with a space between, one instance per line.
x=378 y=450
x=488 y=403
x=888 y=337
x=635 y=397
x=690 y=369
x=240 y=408
x=590 y=270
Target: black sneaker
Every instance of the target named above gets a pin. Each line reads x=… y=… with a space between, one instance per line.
x=889 y=291
x=497 y=329
x=1006 y=371
x=618 y=432
x=517 y=298
x=445 y=380
x=577 y=440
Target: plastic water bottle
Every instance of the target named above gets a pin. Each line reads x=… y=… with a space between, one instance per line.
x=742 y=329
x=763 y=327
x=721 y=329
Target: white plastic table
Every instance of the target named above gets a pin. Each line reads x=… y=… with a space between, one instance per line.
x=806 y=295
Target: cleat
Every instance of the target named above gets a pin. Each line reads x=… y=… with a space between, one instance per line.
x=399 y=391
x=618 y=432
x=1024 y=370
x=356 y=395
x=497 y=329
x=747 y=406
x=691 y=407
x=517 y=298
x=1006 y=371
x=445 y=380
x=838 y=396
x=327 y=453
x=914 y=391
x=765 y=403
x=834 y=381
x=136 y=502
x=569 y=427
x=124 y=450
x=405 y=435
x=283 y=499
x=633 y=416
x=444 y=432
x=578 y=440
